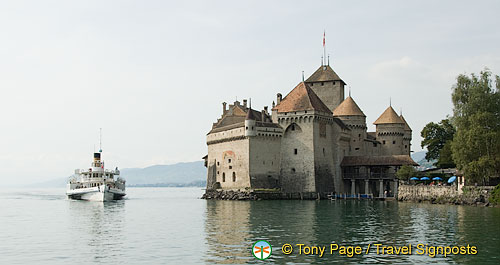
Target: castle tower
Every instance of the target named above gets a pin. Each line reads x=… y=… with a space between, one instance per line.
x=306 y=146
x=352 y=116
x=407 y=136
x=390 y=132
x=327 y=85
x=250 y=128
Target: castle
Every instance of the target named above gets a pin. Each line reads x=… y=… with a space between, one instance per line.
x=314 y=141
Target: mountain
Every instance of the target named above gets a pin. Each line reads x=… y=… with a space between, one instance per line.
x=175 y=175
x=419 y=157
x=180 y=173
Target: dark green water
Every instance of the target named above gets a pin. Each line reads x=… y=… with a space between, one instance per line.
x=173 y=226
x=231 y=226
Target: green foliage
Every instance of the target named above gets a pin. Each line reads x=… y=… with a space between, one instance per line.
x=437 y=139
x=495 y=195
x=476 y=115
x=406 y=172
x=445 y=159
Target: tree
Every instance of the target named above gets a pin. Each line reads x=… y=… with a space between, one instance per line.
x=437 y=138
x=445 y=159
x=476 y=115
x=406 y=172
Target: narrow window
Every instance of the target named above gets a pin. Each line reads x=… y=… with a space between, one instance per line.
x=293 y=127
x=234 y=176
x=229 y=160
x=393 y=142
x=223 y=176
x=217 y=172
x=323 y=151
x=293 y=170
x=217 y=163
x=230 y=167
x=383 y=142
x=295 y=151
x=406 y=146
x=322 y=83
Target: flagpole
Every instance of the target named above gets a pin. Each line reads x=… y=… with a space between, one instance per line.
x=324 y=44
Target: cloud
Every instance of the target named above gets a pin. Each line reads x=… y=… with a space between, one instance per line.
x=402 y=70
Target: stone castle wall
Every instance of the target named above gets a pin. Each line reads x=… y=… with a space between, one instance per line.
x=330 y=92
x=391 y=138
x=324 y=167
x=357 y=125
x=265 y=161
x=228 y=159
x=445 y=194
x=297 y=154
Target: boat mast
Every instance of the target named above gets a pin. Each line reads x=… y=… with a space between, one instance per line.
x=100 y=140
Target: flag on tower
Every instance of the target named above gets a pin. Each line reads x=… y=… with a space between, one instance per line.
x=324 y=38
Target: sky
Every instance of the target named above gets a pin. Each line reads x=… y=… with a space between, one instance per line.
x=153 y=74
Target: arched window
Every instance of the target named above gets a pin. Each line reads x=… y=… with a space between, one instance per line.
x=223 y=176
x=234 y=176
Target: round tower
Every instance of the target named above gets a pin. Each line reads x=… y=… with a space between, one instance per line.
x=352 y=116
x=390 y=133
x=250 y=124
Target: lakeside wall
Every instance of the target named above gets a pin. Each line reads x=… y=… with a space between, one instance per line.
x=469 y=195
x=261 y=195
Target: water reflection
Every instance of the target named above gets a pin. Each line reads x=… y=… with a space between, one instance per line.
x=103 y=233
x=232 y=227
x=227 y=229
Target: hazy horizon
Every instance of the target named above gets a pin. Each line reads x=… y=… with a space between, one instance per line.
x=153 y=74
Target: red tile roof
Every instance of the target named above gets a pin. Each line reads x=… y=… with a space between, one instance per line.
x=407 y=127
x=324 y=73
x=302 y=98
x=389 y=116
x=348 y=108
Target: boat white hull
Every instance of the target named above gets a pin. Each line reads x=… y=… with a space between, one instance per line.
x=100 y=194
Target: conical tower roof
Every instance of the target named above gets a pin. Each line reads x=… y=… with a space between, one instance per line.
x=301 y=98
x=388 y=117
x=348 y=108
x=407 y=127
x=324 y=73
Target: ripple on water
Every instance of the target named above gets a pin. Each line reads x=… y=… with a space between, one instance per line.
x=166 y=225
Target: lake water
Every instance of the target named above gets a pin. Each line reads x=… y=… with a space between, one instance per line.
x=173 y=226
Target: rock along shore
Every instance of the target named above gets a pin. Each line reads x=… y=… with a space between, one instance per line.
x=229 y=195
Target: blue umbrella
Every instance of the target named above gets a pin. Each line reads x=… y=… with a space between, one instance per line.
x=425 y=178
x=414 y=178
x=452 y=179
x=437 y=178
